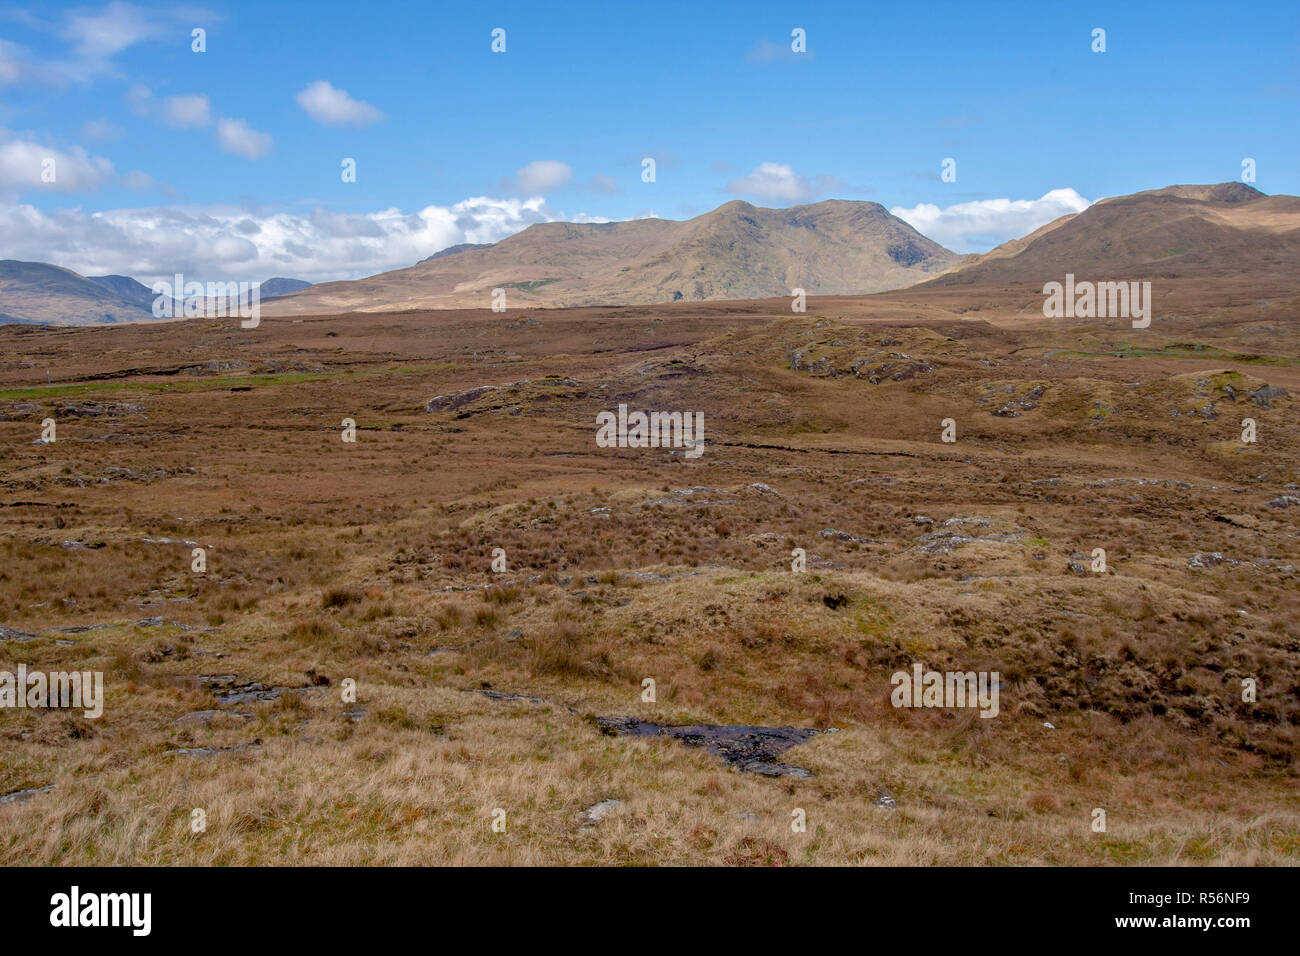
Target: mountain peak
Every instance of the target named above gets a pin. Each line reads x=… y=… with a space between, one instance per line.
x=736 y=251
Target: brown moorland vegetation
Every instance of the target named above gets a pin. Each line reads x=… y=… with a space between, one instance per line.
x=371 y=561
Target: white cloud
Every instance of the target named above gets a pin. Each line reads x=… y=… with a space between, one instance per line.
x=774 y=181
x=541 y=176
x=75 y=171
x=982 y=224
x=335 y=107
x=236 y=137
x=101 y=34
x=90 y=38
x=187 y=110
x=230 y=242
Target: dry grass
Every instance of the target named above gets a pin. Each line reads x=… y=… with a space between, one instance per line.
x=372 y=562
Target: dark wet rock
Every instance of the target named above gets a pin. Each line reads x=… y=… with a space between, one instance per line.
x=752 y=749
x=232 y=689
x=22 y=796
x=1249 y=522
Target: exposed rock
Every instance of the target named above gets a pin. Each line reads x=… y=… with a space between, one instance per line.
x=232 y=689
x=752 y=749
x=449 y=403
x=21 y=796
x=595 y=814
x=204 y=717
x=1284 y=501
x=210 y=751
x=1263 y=397
x=498 y=695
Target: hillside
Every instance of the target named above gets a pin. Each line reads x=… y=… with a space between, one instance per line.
x=36 y=292
x=737 y=251
x=1176 y=232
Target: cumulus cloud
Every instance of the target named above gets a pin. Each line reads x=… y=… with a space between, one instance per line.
x=22 y=162
x=236 y=137
x=778 y=182
x=980 y=225
x=234 y=243
x=334 y=107
x=541 y=176
x=187 y=111
x=772 y=181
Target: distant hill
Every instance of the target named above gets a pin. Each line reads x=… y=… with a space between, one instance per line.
x=127 y=288
x=40 y=293
x=1175 y=232
x=737 y=251
x=279 y=286
x=37 y=292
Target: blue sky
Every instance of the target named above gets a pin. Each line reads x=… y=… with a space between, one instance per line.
x=227 y=163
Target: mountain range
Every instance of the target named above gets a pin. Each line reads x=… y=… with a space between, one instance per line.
x=40 y=293
x=737 y=251
x=740 y=251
